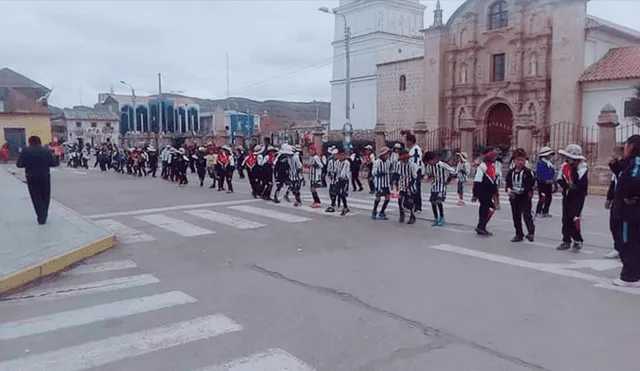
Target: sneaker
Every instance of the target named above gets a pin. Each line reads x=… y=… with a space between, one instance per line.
x=441 y=222
x=345 y=211
x=529 y=237
x=460 y=202
x=315 y=205
x=401 y=219
x=296 y=204
x=374 y=216
x=382 y=216
x=483 y=232
x=434 y=222
x=517 y=239
x=330 y=209
x=286 y=198
x=275 y=200
x=577 y=246
x=547 y=215
x=412 y=220
x=621 y=283
x=613 y=254
x=564 y=246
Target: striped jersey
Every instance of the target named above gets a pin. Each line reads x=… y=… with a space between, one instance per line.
x=316 y=169
x=463 y=169
x=380 y=174
x=415 y=157
x=295 y=168
x=394 y=161
x=332 y=170
x=344 y=170
x=439 y=174
x=408 y=178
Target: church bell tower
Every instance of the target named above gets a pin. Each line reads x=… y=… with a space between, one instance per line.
x=381 y=31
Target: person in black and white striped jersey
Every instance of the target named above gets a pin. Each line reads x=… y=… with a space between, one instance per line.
x=343 y=176
x=394 y=159
x=463 y=169
x=295 y=177
x=415 y=159
x=381 y=183
x=407 y=179
x=332 y=175
x=315 y=178
x=439 y=174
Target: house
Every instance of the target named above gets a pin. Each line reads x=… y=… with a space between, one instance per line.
x=23 y=110
x=500 y=71
x=86 y=125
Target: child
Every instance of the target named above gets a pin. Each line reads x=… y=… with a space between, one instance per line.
x=463 y=169
x=380 y=173
x=574 y=182
x=393 y=169
x=342 y=184
x=439 y=173
x=332 y=173
x=315 y=178
x=485 y=190
x=519 y=187
x=408 y=176
x=545 y=174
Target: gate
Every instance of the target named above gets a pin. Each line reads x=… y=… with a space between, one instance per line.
x=500 y=127
x=16 y=139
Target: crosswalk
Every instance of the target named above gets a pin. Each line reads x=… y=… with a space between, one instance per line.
x=148 y=342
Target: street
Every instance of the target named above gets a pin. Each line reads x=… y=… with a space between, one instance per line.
x=204 y=280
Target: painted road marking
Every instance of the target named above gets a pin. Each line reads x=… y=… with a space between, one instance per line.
x=85 y=288
x=101 y=267
x=284 y=217
x=174 y=225
x=102 y=352
x=78 y=317
x=271 y=360
x=124 y=233
x=230 y=220
x=557 y=269
x=78 y=172
x=309 y=209
x=168 y=208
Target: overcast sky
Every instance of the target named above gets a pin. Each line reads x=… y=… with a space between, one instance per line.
x=277 y=49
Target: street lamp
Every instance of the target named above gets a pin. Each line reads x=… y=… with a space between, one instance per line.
x=133 y=102
x=347 y=47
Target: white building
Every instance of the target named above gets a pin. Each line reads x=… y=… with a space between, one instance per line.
x=86 y=125
x=612 y=80
x=381 y=31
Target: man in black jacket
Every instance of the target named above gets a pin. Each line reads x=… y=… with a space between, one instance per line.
x=36 y=161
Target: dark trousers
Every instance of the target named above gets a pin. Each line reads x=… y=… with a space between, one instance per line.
x=545 y=196
x=406 y=202
x=418 y=195
x=521 y=208
x=485 y=212
x=40 y=192
x=202 y=172
x=629 y=250
x=571 y=210
x=355 y=180
x=229 y=177
x=253 y=181
x=615 y=226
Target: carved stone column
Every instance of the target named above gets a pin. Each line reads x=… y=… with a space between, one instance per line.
x=380 y=132
x=451 y=65
x=524 y=134
x=420 y=130
x=607 y=122
x=467 y=127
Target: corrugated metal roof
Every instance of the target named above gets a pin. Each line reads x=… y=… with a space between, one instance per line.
x=89 y=114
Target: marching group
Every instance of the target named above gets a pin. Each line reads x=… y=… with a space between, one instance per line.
x=398 y=173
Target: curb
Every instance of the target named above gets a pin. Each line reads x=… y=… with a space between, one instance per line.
x=18 y=279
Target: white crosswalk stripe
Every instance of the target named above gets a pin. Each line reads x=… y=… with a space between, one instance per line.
x=174 y=225
x=123 y=233
x=225 y=219
x=101 y=352
x=112 y=284
x=271 y=360
x=77 y=317
x=101 y=267
x=267 y=213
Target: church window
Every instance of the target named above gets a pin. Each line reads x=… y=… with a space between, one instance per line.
x=403 y=82
x=463 y=37
x=498 y=15
x=498 y=67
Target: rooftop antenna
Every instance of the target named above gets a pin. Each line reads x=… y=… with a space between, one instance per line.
x=112 y=90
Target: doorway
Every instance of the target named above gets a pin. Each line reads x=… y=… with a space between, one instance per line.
x=499 y=126
x=16 y=138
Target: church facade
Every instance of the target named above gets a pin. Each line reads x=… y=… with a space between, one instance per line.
x=501 y=71
x=380 y=31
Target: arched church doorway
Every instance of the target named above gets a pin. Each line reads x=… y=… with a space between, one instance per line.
x=499 y=126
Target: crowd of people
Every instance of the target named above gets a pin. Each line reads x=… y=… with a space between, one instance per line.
x=397 y=173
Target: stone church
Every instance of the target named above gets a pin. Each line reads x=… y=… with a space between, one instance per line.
x=497 y=72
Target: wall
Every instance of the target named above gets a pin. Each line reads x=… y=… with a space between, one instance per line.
x=39 y=125
x=595 y=95
x=400 y=109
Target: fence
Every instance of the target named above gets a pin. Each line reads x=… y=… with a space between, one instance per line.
x=623 y=132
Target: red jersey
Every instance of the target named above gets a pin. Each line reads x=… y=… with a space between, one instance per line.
x=223 y=158
x=271 y=158
x=566 y=173
x=251 y=160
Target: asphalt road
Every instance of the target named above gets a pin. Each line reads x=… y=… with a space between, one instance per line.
x=215 y=281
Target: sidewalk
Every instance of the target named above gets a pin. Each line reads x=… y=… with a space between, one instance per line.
x=29 y=251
